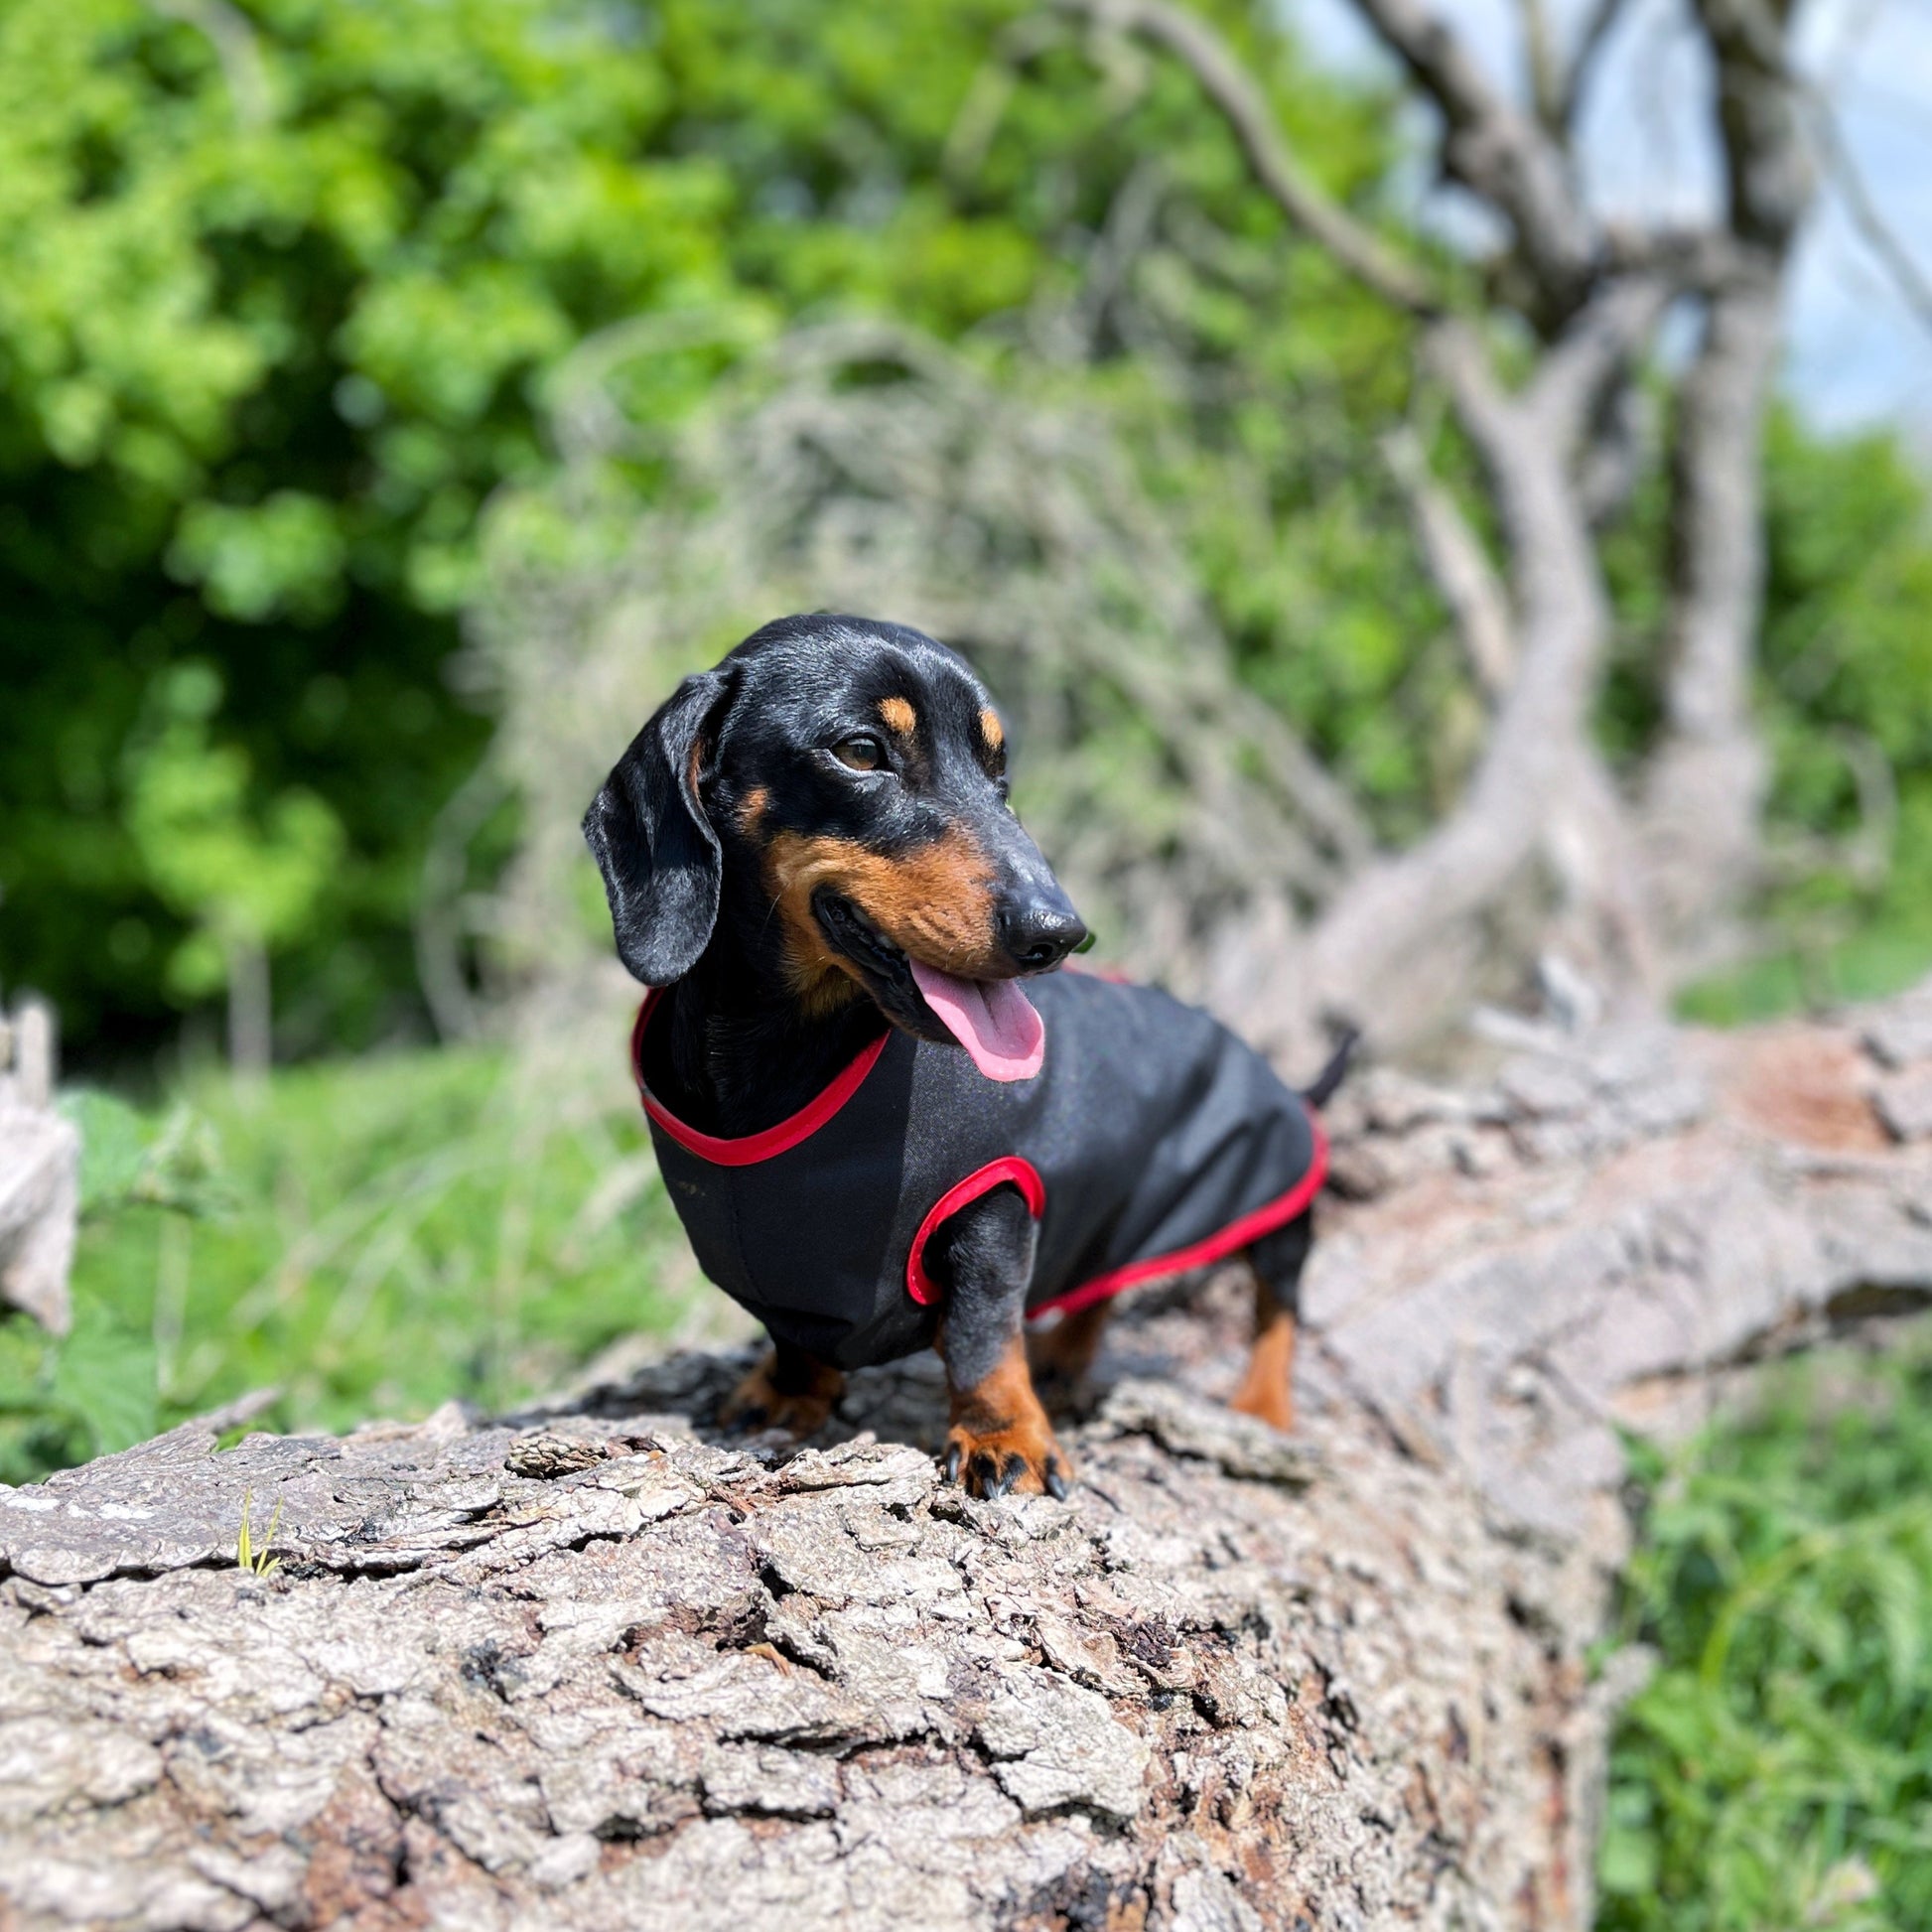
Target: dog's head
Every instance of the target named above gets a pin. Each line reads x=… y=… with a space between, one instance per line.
x=854 y=775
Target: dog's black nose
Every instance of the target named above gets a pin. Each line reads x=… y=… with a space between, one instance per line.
x=1040 y=934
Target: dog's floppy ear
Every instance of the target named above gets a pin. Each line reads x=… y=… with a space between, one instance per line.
x=652 y=840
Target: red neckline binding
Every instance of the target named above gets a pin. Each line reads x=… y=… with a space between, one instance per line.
x=748 y=1149
x=1237 y=1234
x=1009 y=1166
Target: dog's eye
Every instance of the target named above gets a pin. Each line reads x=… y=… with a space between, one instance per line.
x=860 y=753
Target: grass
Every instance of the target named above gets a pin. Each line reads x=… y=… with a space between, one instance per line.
x=250 y=1552
x=373 y=1237
x=1871 y=963
x=1777 y=1770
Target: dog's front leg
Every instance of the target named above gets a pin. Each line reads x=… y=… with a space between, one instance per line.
x=789 y=1390
x=1000 y=1439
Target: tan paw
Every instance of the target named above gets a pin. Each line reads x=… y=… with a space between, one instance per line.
x=759 y=1402
x=1020 y=1458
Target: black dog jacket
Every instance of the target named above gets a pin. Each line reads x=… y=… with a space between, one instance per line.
x=1150 y=1140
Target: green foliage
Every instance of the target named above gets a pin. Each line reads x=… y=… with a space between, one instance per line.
x=1847 y=678
x=372 y=1238
x=1844 y=696
x=129 y=1158
x=276 y=318
x=270 y=315
x=278 y=315
x=242 y=884
x=1777 y=1770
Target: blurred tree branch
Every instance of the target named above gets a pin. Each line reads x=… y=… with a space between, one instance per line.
x=1912 y=282
x=1459 y=565
x=1651 y=870
x=1598 y=22
x=1233 y=91
x=232 y=36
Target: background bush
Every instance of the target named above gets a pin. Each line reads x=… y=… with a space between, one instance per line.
x=280 y=311
x=1777 y=1769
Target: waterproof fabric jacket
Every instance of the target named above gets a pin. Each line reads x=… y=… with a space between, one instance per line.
x=1150 y=1140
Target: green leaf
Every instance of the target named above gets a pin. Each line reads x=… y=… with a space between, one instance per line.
x=106 y=1375
x=1629 y=1862
x=114 y=1142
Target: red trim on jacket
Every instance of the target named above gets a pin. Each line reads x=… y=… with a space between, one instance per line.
x=1009 y=1166
x=748 y=1149
x=1216 y=1247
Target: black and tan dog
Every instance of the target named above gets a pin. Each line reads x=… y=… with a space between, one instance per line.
x=886 y=1122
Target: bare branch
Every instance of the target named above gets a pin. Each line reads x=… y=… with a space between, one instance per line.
x=1593 y=847
x=1500 y=153
x=1555 y=404
x=1717 y=561
x=237 y=51
x=1536 y=780
x=1124 y=238
x=1458 y=564
x=1912 y=282
x=1194 y=43
x=1594 y=353
x=1703 y=792
x=1397 y=910
x=1546 y=76
x=991 y=88
x=1769 y=168
x=1603 y=15
x=1618 y=450
x=1694 y=260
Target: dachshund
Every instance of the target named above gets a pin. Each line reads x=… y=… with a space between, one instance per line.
x=887 y=1121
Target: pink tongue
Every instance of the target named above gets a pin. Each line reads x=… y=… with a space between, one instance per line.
x=992 y=1019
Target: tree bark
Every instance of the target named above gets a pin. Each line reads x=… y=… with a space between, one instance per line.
x=1706 y=784
x=591 y=1666
x=1705 y=791
x=252 y=1013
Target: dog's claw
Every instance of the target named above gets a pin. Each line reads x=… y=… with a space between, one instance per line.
x=1055 y=1480
x=950 y=1468
x=1015 y=1467
x=982 y=1472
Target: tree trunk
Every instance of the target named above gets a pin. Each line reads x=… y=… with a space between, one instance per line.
x=1705 y=786
x=251 y=1012
x=590 y=1667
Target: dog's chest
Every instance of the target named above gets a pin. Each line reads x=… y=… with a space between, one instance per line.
x=1149 y=1129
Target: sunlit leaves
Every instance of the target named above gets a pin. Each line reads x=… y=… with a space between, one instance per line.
x=246 y=877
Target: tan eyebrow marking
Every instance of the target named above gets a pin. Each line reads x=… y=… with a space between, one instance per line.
x=991 y=729
x=899 y=716
x=757 y=800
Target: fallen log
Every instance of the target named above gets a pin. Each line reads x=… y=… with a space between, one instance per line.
x=594 y=1666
